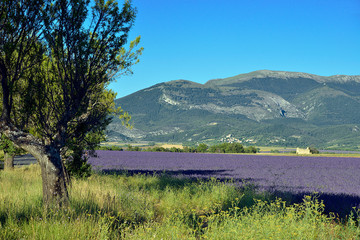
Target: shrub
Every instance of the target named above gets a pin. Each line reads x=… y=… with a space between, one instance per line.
x=314 y=150
x=131 y=148
x=251 y=149
x=77 y=165
x=227 y=148
x=110 y=148
x=202 y=147
x=189 y=149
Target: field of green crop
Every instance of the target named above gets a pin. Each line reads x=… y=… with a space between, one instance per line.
x=159 y=207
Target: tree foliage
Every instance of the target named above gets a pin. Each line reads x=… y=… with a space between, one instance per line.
x=202 y=147
x=231 y=148
x=7 y=146
x=56 y=59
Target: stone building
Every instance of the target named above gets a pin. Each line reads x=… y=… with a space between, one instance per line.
x=303 y=151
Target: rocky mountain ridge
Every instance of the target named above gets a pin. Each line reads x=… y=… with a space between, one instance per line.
x=255 y=106
x=287 y=75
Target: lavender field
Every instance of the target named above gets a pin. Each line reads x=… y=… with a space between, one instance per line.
x=329 y=175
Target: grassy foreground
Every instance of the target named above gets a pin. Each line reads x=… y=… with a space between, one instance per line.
x=151 y=207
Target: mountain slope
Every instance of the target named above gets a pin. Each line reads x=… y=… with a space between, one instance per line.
x=262 y=107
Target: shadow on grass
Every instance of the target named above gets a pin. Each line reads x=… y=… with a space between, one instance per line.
x=180 y=178
x=192 y=174
x=340 y=204
x=23 y=214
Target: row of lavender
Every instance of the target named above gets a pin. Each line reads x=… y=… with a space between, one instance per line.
x=330 y=175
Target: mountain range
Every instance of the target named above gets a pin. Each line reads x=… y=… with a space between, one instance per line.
x=260 y=108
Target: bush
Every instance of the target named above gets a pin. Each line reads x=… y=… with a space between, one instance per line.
x=189 y=149
x=157 y=149
x=131 y=148
x=77 y=165
x=110 y=148
x=314 y=150
x=202 y=148
x=227 y=148
x=251 y=149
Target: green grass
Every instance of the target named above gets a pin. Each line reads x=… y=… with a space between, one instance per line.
x=158 y=207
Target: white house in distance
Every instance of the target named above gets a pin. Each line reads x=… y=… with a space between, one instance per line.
x=303 y=151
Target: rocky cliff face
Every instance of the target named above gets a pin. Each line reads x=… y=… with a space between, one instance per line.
x=178 y=109
x=258 y=105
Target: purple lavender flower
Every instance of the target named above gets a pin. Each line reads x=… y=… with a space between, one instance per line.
x=331 y=175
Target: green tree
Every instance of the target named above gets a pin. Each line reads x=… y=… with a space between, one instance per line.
x=85 y=141
x=19 y=32
x=202 y=147
x=66 y=74
x=251 y=149
x=313 y=150
x=212 y=148
x=227 y=148
x=234 y=148
x=10 y=151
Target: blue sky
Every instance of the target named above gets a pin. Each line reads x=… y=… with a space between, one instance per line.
x=199 y=40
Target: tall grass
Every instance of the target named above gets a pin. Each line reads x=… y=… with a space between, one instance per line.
x=158 y=207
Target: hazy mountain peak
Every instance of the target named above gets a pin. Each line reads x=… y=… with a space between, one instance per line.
x=264 y=74
x=182 y=82
x=283 y=74
x=344 y=78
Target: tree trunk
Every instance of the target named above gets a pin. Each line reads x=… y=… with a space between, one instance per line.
x=66 y=172
x=54 y=183
x=8 y=161
x=55 y=192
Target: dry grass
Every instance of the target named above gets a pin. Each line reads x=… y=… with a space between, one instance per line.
x=172 y=145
